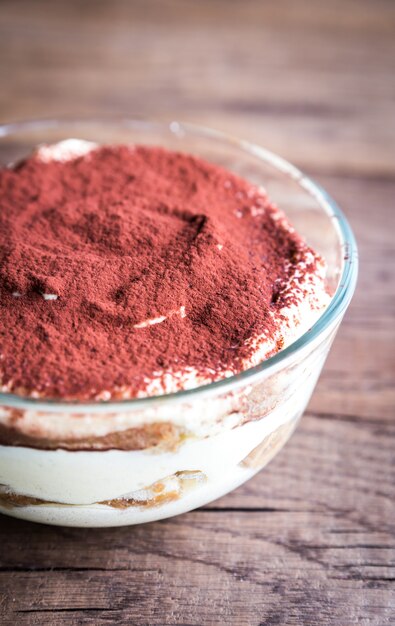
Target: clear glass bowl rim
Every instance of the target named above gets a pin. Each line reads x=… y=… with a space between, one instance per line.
x=334 y=311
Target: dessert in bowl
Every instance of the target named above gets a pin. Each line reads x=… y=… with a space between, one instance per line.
x=169 y=296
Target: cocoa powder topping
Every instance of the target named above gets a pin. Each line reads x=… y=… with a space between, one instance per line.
x=130 y=262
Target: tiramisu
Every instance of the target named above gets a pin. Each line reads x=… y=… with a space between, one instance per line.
x=132 y=271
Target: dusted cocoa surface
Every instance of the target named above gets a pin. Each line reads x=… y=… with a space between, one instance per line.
x=131 y=263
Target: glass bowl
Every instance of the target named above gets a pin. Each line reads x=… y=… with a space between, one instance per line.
x=132 y=461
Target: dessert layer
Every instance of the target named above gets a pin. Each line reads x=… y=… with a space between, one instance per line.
x=163 y=491
x=96 y=476
x=102 y=515
x=165 y=435
x=128 y=271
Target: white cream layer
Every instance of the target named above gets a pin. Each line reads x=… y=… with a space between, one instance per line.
x=99 y=515
x=89 y=477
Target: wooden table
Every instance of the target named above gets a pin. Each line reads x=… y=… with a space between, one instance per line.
x=310 y=540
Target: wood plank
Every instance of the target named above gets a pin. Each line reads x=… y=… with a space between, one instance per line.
x=315 y=87
x=253 y=567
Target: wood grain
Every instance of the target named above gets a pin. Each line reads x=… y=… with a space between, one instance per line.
x=310 y=540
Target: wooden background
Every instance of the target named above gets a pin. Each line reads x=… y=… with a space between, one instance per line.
x=310 y=540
